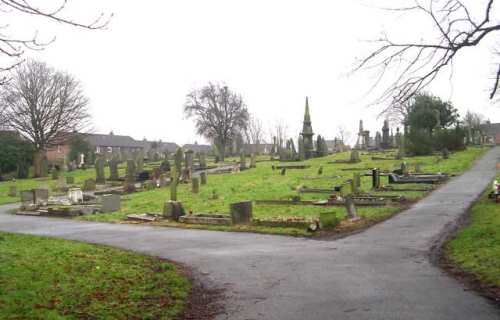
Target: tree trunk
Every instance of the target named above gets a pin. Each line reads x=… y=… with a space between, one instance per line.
x=38 y=165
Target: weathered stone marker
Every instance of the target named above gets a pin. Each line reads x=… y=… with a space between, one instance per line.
x=376 y=178
x=131 y=175
x=110 y=203
x=195 y=185
x=355 y=183
x=140 y=161
x=179 y=157
x=241 y=212
x=355 y=156
x=352 y=214
x=113 y=169
x=41 y=196
x=89 y=185
x=253 y=161
x=283 y=171
x=173 y=210
x=203 y=178
x=445 y=154
x=99 y=170
x=320 y=170
x=203 y=160
x=12 y=191
x=243 y=161
x=173 y=184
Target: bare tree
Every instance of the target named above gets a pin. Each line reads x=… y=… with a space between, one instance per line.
x=417 y=64
x=14 y=47
x=279 y=135
x=219 y=114
x=255 y=133
x=343 y=134
x=43 y=105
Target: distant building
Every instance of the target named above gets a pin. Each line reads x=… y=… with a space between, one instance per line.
x=261 y=148
x=490 y=133
x=206 y=148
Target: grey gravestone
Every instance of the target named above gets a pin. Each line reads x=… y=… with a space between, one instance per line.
x=355 y=156
x=320 y=170
x=243 y=161
x=376 y=178
x=110 y=203
x=131 y=172
x=89 y=185
x=253 y=161
x=188 y=159
x=241 y=212
x=27 y=197
x=12 y=191
x=352 y=213
x=113 y=169
x=179 y=157
x=173 y=184
x=203 y=178
x=99 y=170
x=203 y=160
x=195 y=185
x=41 y=196
x=173 y=210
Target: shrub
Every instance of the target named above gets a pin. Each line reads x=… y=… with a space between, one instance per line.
x=328 y=220
x=451 y=139
x=419 y=143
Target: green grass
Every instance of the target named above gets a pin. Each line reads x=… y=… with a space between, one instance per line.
x=44 y=278
x=264 y=183
x=476 y=249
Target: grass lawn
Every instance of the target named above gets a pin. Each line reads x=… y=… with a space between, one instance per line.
x=476 y=248
x=264 y=183
x=44 y=278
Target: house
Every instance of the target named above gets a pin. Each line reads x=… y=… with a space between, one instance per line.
x=490 y=133
x=197 y=148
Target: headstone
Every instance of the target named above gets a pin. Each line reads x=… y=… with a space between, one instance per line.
x=203 y=160
x=140 y=161
x=12 y=191
x=418 y=168
x=352 y=213
x=283 y=171
x=75 y=195
x=165 y=166
x=355 y=183
x=386 y=142
x=149 y=185
x=203 y=177
x=179 y=157
x=131 y=174
x=445 y=153
x=70 y=180
x=99 y=170
x=404 y=169
x=378 y=140
x=355 y=156
x=110 y=203
x=113 y=169
x=173 y=184
x=195 y=182
x=188 y=159
x=241 y=212
x=41 y=196
x=376 y=179
x=320 y=170
x=243 y=161
x=173 y=210
x=253 y=161
x=89 y=185
x=27 y=197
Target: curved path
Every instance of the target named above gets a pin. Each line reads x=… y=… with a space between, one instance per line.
x=382 y=273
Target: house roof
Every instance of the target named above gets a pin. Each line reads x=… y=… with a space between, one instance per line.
x=112 y=140
x=162 y=146
x=198 y=147
x=490 y=129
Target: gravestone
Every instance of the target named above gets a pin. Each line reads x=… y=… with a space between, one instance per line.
x=12 y=191
x=283 y=171
x=140 y=161
x=131 y=174
x=243 y=161
x=195 y=185
x=70 y=180
x=173 y=210
x=99 y=170
x=386 y=142
x=113 y=169
x=149 y=185
x=253 y=161
x=404 y=169
x=320 y=170
x=179 y=157
x=41 y=196
x=75 y=195
x=27 y=197
x=173 y=184
x=203 y=160
x=352 y=213
x=89 y=185
x=110 y=203
x=355 y=183
x=355 y=156
x=378 y=140
x=376 y=179
x=445 y=154
x=61 y=184
x=418 y=168
x=241 y=212
x=188 y=159
x=203 y=178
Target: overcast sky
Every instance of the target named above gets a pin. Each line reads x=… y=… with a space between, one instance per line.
x=275 y=53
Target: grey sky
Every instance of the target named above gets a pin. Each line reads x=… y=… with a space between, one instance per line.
x=138 y=71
